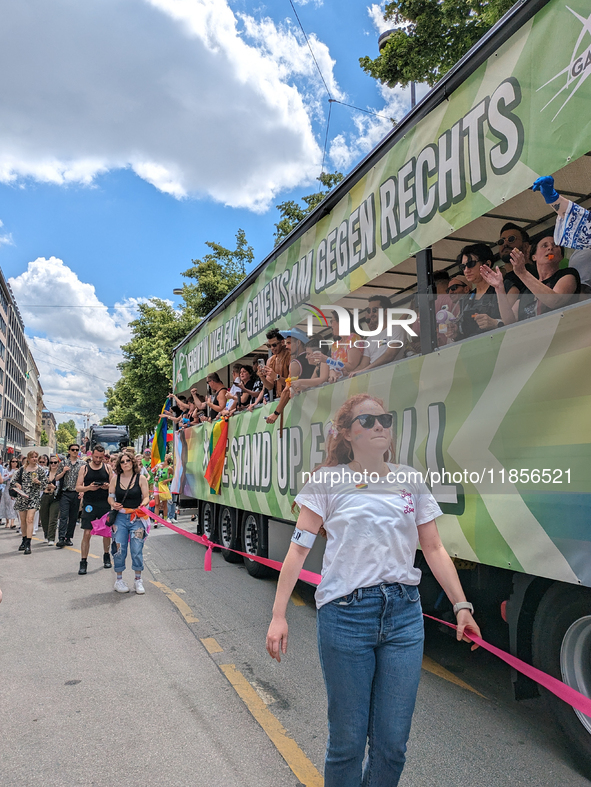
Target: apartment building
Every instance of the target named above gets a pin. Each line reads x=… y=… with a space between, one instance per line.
x=13 y=373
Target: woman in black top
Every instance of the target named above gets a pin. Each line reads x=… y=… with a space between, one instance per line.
x=128 y=491
x=555 y=288
x=489 y=305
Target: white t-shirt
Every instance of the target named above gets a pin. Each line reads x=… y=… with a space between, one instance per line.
x=379 y=344
x=371 y=528
x=235 y=389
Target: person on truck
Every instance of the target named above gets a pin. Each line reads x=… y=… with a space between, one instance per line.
x=276 y=370
x=217 y=399
x=370 y=625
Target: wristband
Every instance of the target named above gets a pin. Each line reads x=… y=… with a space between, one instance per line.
x=463 y=605
x=303 y=537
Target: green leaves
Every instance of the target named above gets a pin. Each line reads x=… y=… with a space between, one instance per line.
x=137 y=397
x=292 y=213
x=66 y=434
x=431 y=36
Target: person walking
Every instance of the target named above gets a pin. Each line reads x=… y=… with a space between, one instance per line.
x=128 y=491
x=69 y=501
x=7 y=510
x=50 y=505
x=30 y=480
x=93 y=482
x=370 y=627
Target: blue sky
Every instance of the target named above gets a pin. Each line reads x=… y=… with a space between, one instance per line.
x=137 y=130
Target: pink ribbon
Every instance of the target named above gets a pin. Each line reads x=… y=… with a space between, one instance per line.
x=557 y=687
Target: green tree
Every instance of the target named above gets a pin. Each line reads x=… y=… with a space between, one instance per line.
x=431 y=36
x=292 y=213
x=137 y=397
x=216 y=274
x=44 y=438
x=66 y=433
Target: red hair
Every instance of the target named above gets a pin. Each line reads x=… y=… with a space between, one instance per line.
x=338 y=448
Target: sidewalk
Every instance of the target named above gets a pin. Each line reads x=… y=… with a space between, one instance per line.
x=104 y=689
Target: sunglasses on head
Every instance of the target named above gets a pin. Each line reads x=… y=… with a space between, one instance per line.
x=454 y=287
x=510 y=239
x=367 y=421
x=469 y=264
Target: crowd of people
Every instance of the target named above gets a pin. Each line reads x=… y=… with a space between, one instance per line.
x=54 y=492
x=490 y=286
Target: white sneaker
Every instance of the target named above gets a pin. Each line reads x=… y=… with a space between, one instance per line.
x=139 y=587
x=51 y=543
x=121 y=586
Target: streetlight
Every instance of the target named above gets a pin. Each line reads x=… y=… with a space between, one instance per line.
x=382 y=41
x=177 y=291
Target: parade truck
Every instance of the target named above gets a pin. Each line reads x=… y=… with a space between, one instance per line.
x=113 y=438
x=498 y=424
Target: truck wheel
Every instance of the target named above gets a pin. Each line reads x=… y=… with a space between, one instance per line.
x=207 y=520
x=254 y=542
x=229 y=537
x=561 y=646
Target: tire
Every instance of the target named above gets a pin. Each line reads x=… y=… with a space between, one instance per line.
x=254 y=542
x=228 y=532
x=207 y=520
x=561 y=646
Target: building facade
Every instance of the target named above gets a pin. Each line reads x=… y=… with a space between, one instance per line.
x=31 y=400
x=48 y=423
x=13 y=371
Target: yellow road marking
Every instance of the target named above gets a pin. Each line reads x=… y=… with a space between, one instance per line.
x=297 y=600
x=181 y=605
x=212 y=645
x=72 y=549
x=301 y=766
x=441 y=672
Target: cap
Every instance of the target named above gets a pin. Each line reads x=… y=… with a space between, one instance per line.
x=295 y=333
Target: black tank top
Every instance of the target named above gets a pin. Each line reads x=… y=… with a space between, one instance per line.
x=134 y=496
x=96 y=496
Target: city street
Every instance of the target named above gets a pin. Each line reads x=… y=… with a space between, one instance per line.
x=176 y=688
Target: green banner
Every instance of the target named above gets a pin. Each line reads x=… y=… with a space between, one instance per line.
x=523 y=113
x=498 y=426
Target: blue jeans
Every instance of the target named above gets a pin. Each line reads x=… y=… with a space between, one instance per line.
x=371 y=649
x=124 y=531
x=171 y=509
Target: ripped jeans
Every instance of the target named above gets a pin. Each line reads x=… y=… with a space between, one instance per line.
x=124 y=531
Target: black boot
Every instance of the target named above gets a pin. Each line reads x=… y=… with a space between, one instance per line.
x=23 y=544
x=83 y=566
x=27 y=550
x=106 y=560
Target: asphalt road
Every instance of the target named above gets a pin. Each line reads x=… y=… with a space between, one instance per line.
x=176 y=688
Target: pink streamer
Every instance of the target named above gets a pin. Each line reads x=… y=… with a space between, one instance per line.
x=557 y=687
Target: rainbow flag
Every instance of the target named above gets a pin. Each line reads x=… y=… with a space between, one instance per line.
x=217 y=455
x=160 y=438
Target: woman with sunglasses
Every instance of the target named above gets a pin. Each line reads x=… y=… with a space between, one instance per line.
x=370 y=627
x=490 y=304
x=50 y=505
x=128 y=491
x=7 y=510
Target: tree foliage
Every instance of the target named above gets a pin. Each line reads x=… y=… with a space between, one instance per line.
x=292 y=213
x=431 y=36
x=137 y=397
x=44 y=438
x=66 y=433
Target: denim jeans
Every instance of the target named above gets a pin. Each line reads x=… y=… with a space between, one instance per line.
x=124 y=531
x=171 y=509
x=371 y=649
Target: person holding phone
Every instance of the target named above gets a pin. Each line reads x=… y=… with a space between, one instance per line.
x=93 y=483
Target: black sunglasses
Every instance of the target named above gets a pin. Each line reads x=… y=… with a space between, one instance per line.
x=470 y=264
x=510 y=239
x=53 y=462
x=454 y=287
x=367 y=421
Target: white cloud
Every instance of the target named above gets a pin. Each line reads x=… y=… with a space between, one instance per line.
x=6 y=240
x=194 y=99
x=75 y=338
x=376 y=14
